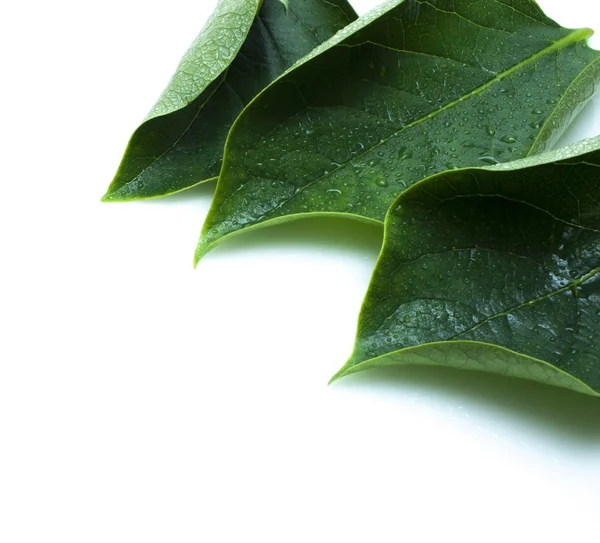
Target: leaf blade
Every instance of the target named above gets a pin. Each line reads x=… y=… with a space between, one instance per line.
x=244 y=46
x=504 y=258
x=332 y=138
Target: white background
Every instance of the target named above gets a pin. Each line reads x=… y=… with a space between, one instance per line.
x=143 y=401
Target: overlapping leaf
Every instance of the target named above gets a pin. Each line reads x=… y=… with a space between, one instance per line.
x=493 y=269
x=245 y=45
x=415 y=88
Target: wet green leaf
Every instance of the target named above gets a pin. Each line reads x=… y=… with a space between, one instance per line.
x=412 y=89
x=493 y=269
x=242 y=48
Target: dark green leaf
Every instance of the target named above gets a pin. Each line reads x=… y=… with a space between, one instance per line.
x=415 y=88
x=493 y=269
x=243 y=47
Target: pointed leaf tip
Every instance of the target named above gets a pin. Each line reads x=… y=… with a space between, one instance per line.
x=201 y=250
x=346 y=369
x=337 y=376
x=108 y=197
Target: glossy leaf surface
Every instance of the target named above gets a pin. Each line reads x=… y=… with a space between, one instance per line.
x=243 y=48
x=415 y=88
x=493 y=269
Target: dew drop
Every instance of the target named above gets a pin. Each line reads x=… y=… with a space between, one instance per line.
x=488 y=159
x=404 y=153
x=382 y=183
x=509 y=139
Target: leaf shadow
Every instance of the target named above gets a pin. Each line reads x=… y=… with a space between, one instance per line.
x=313 y=232
x=317 y=234
x=542 y=408
x=203 y=192
x=553 y=411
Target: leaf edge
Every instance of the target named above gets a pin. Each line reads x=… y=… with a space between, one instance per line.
x=391 y=359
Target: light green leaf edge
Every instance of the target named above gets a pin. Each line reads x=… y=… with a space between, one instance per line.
x=475 y=355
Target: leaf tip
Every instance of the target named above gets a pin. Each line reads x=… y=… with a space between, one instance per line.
x=341 y=373
x=108 y=197
x=126 y=195
x=113 y=195
x=208 y=241
x=201 y=250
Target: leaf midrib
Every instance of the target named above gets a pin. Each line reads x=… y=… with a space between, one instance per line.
x=546 y=296
x=573 y=37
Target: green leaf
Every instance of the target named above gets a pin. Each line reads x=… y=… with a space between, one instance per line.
x=412 y=89
x=493 y=269
x=243 y=47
